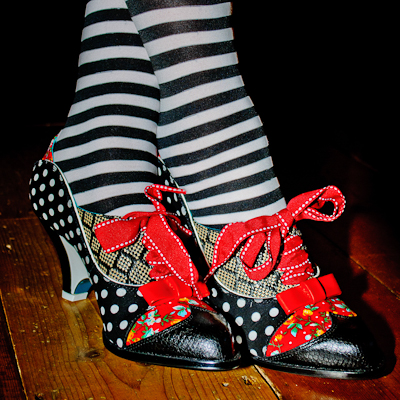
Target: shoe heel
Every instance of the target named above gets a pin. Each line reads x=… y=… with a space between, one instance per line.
x=47 y=185
x=76 y=281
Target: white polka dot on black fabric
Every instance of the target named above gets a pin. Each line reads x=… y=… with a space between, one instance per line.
x=102 y=310
x=132 y=308
x=114 y=309
x=104 y=293
x=226 y=307
x=121 y=292
x=256 y=316
x=274 y=312
x=239 y=321
x=109 y=327
x=252 y=335
x=253 y=352
x=241 y=303
x=214 y=292
x=269 y=330
x=239 y=339
x=123 y=325
x=120 y=343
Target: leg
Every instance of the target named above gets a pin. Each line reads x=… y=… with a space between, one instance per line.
x=107 y=149
x=209 y=134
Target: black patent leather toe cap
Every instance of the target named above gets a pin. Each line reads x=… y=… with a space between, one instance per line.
x=202 y=341
x=347 y=351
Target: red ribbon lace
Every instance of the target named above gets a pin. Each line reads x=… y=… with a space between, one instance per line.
x=162 y=231
x=273 y=232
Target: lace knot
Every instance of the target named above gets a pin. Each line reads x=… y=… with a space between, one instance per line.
x=162 y=236
x=272 y=233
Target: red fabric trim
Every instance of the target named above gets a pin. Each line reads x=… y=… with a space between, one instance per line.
x=311 y=291
x=305 y=324
x=162 y=317
x=168 y=289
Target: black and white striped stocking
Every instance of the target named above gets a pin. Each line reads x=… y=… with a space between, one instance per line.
x=209 y=134
x=107 y=149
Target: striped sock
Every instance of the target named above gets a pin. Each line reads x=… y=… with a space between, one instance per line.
x=209 y=134
x=107 y=149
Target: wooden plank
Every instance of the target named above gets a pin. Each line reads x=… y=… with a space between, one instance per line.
x=379 y=308
x=59 y=347
x=10 y=382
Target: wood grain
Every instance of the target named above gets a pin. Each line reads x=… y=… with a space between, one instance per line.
x=59 y=347
x=10 y=382
x=378 y=307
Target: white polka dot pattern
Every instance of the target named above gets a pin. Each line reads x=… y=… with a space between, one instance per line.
x=254 y=320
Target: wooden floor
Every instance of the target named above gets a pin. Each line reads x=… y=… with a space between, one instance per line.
x=52 y=349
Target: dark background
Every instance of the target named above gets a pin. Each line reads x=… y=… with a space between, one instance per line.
x=320 y=74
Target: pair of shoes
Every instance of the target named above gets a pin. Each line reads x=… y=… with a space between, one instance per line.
x=148 y=290
x=285 y=316
x=152 y=301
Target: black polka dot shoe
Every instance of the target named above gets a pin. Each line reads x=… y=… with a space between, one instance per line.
x=285 y=316
x=146 y=285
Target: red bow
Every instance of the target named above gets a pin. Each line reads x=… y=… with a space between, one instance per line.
x=271 y=231
x=167 y=254
x=308 y=292
x=168 y=289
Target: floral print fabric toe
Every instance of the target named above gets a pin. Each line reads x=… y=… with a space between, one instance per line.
x=161 y=317
x=306 y=324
